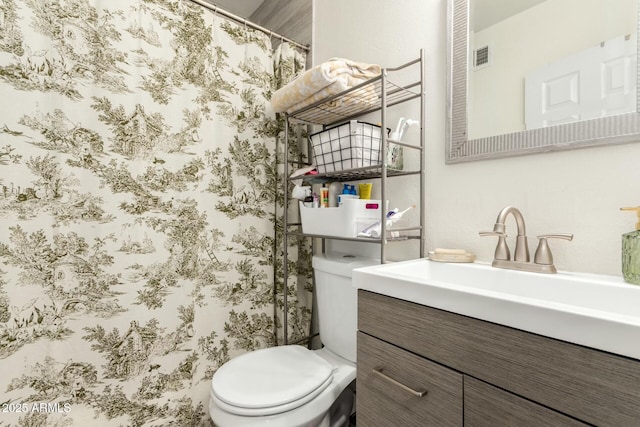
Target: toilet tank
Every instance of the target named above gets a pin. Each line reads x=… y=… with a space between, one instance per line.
x=337 y=301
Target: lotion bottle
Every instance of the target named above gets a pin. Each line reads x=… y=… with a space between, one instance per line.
x=324 y=197
x=631 y=251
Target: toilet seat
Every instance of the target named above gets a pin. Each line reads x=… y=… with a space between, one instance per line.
x=274 y=410
x=270 y=381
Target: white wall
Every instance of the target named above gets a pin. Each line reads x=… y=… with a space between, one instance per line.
x=577 y=191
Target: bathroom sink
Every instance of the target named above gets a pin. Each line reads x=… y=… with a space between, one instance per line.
x=596 y=311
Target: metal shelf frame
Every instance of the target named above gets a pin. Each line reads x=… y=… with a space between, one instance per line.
x=375 y=95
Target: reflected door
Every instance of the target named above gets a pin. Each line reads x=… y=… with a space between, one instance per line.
x=597 y=82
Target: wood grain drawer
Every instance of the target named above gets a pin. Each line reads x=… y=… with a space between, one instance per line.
x=488 y=406
x=381 y=402
x=590 y=385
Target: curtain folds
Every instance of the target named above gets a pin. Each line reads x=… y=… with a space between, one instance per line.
x=139 y=197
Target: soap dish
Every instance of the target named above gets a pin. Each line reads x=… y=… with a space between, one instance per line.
x=452 y=255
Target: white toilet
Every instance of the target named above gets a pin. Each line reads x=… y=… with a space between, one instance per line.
x=290 y=386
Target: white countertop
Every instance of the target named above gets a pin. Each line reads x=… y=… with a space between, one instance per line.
x=597 y=311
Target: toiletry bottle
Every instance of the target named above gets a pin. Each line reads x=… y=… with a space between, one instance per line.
x=324 y=197
x=345 y=189
x=308 y=202
x=631 y=252
x=334 y=190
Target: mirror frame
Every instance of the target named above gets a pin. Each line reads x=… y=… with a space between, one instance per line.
x=618 y=129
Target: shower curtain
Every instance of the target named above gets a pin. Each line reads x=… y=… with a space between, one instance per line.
x=139 y=207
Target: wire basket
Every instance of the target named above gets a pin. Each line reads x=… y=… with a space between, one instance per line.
x=350 y=145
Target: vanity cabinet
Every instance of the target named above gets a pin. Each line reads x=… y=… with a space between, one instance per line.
x=506 y=377
x=382 y=401
x=488 y=406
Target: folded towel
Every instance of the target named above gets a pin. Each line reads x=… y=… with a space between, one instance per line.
x=365 y=95
x=325 y=79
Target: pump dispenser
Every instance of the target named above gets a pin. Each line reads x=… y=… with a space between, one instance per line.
x=631 y=251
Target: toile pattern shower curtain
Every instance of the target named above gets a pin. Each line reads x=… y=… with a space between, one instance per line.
x=139 y=200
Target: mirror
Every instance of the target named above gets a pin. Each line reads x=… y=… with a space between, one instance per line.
x=528 y=76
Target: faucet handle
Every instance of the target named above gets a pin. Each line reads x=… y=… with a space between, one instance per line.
x=564 y=236
x=492 y=233
x=502 y=250
x=543 y=253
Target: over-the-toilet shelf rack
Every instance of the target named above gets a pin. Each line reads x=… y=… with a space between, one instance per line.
x=375 y=95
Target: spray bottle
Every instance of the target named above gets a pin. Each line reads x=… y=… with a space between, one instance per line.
x=394 y=151
x=401 y=128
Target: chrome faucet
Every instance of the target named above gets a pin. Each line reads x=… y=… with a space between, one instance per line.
x=543 y=260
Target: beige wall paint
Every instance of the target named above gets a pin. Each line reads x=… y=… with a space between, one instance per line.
x=576 y=191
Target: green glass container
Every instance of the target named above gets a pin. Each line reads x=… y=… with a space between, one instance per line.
x=631 y=252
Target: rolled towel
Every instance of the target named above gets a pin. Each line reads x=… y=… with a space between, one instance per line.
x=338 y=73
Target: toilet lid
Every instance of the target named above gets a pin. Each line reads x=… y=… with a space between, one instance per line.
x=271 y=377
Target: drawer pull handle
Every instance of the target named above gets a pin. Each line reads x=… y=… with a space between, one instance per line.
x=418 y=393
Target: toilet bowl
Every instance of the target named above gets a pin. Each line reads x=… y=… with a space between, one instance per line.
x=292 y=386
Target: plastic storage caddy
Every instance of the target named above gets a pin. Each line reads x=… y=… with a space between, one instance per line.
x=350 y=145
x=340 y=221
